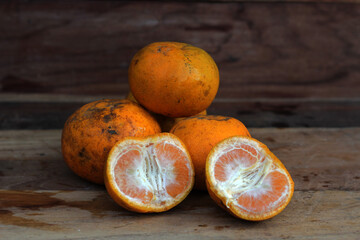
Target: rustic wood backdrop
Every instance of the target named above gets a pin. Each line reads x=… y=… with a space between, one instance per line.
x=282 y=64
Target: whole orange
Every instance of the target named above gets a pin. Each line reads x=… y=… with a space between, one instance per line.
x=90 y=133
x=173 y=79
x=201 y=133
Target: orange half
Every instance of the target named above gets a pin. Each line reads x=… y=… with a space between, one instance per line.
x=151 y=174
x=246 y=179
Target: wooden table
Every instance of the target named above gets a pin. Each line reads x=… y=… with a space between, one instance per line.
x=42 y=199
x=289 y=70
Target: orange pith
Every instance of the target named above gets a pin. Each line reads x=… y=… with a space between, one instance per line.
x=151 y=174
x=246 y=179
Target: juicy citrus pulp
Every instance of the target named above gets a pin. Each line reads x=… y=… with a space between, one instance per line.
x=244 y=177
x=151 y=174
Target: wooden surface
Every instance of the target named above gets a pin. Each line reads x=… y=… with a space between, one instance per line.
x=92 y=215
x=42 y=199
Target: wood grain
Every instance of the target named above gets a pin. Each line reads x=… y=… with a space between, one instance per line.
x=50 y=111
x=317 y=159
x=93 y=215
x=289 y=50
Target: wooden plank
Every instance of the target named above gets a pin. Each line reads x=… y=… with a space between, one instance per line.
x=93 y=215
x=292 y=50
x=47 y=111
x=317 y=159
x=287 y=112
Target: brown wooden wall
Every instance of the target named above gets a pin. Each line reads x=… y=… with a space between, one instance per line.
x=282 y=64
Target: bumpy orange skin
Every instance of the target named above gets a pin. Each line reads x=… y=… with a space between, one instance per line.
x=201 y=133
x=173 y=79
x=166 y=123
x=90 y=133
x=220 y=200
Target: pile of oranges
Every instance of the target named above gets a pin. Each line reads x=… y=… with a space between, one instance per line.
x=153 y=147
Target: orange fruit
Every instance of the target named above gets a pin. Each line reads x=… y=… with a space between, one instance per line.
x=150 y=174
x=166 y=123
x=173 y=79
x=201 y=133
x=91 y=132
x=246 y=179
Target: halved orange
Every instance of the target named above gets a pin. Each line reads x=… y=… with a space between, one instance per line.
x=150 y=174
x=246 y=179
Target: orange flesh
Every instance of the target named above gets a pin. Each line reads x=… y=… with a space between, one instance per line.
x=147 y=172
x=179 y=168
x=270 y=192
x=128 y=163
x=263 y=186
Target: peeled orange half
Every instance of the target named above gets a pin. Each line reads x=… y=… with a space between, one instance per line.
x=151 y=174
x=246 y=179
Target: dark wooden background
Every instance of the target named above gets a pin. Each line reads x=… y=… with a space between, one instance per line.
x=282 y=64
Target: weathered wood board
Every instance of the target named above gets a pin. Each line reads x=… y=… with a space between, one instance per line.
x=46 y=111
x=93 y=215
x=284 y=64
x=40 y=198
x=294 y=50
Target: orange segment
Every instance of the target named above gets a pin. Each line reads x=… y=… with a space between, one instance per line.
x=244 y=177
x=180 y=172
x=126 y=165
x=151 y=174
x=267 y=197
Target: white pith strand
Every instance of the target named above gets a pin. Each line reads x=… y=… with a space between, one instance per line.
x=154 y=175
